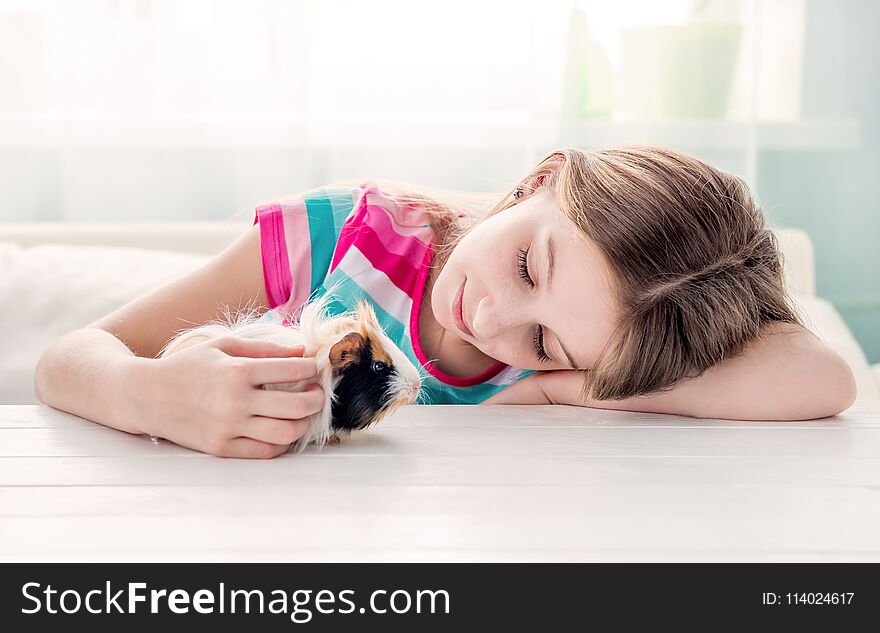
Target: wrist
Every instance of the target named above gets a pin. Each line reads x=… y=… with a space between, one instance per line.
x=135 y=397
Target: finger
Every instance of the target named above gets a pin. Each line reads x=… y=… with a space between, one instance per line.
x=256 y=348
x=245 y=447
x=273 y=430
x=561 y=386
x=264 y=371
x=288 y=405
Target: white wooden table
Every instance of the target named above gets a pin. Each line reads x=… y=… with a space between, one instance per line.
x=452 y=483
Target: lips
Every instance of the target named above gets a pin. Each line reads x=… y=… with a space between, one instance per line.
x=458 y=311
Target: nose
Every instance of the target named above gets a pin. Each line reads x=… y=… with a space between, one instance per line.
x=413 y=391
x=491 y=319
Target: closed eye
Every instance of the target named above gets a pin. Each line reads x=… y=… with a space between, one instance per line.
x=538 y=341
x=523 y=267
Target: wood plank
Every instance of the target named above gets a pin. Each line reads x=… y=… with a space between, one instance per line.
x=526 y=442
x=356 y=536
x=860 y=415
x=496 y=555
x=557 y=504
x=452 y=483
x=390 y=470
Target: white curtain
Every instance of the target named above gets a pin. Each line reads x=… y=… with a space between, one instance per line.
x=137 y=110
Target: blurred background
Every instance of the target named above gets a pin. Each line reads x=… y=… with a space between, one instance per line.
x=160 y=110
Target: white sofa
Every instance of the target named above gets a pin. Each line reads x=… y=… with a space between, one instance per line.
x=59 y=277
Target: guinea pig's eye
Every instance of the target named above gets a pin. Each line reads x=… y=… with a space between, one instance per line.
x=379 y=367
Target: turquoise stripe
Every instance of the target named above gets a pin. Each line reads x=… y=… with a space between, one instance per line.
x=321 y=235
x=327 y=211
x=342 y=202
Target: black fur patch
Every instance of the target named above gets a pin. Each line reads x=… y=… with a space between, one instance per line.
x=362 y=393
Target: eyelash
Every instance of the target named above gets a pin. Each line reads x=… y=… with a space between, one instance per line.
x=523 y=269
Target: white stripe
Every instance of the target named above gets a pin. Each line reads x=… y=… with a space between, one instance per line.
x=377 y=284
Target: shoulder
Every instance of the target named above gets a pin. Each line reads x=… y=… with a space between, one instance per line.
x=363 y=202
x=317 y=206
x=329 y=207
x=402 y=212
x=378 y=214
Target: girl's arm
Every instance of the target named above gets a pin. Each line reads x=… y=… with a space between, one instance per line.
x=206 y=397
x=787 y=374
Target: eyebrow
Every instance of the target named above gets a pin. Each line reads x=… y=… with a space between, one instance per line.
x=551 y=255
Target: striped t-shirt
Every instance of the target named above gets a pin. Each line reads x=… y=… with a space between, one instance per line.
x=364 y=244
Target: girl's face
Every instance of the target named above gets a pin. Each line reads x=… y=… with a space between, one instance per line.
x=515 y=311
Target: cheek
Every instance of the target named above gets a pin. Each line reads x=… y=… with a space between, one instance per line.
x=512 y=352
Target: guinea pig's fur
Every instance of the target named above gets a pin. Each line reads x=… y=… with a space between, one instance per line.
x=364 y=375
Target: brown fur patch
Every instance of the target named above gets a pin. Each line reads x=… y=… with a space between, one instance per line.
x=367 y=315
x=379 y=352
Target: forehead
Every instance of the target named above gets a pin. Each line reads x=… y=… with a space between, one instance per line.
x=376 y=344
x=383 y=349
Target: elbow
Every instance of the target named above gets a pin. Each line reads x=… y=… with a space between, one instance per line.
x=43 y=376
x=839 y=389
x=38 y=381
x=38 y=390
x=847 y=391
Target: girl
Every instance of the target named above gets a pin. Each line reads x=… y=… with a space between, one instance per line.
x=634 y=278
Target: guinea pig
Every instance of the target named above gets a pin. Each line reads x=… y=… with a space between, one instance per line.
x=364 y=375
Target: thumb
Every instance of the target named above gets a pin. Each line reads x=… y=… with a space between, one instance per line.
x=256 y=348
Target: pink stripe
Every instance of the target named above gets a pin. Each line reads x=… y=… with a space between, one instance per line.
x=398 y=239
x=276 y=271
x=396 y=236
x=347 y=235
x=299 y=254
x=372 y=229
x=397 y=266
x=408 y=217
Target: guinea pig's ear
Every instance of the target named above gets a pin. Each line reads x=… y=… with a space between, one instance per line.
x=347 y=350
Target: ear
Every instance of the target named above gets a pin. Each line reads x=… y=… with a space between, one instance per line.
x=347 y=350
x=535 y=180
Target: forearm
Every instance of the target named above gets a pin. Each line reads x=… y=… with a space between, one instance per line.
x=783 y=376
x=88 y=372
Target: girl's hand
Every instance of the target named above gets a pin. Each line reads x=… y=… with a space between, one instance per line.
x=208 y=397
x=558 y=386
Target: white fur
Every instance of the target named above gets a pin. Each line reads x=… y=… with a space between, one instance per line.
x=317 y=332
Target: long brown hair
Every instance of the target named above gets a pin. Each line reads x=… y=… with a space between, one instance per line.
x=694 y=270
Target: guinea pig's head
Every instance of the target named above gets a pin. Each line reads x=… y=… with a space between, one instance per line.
x=372 y=376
